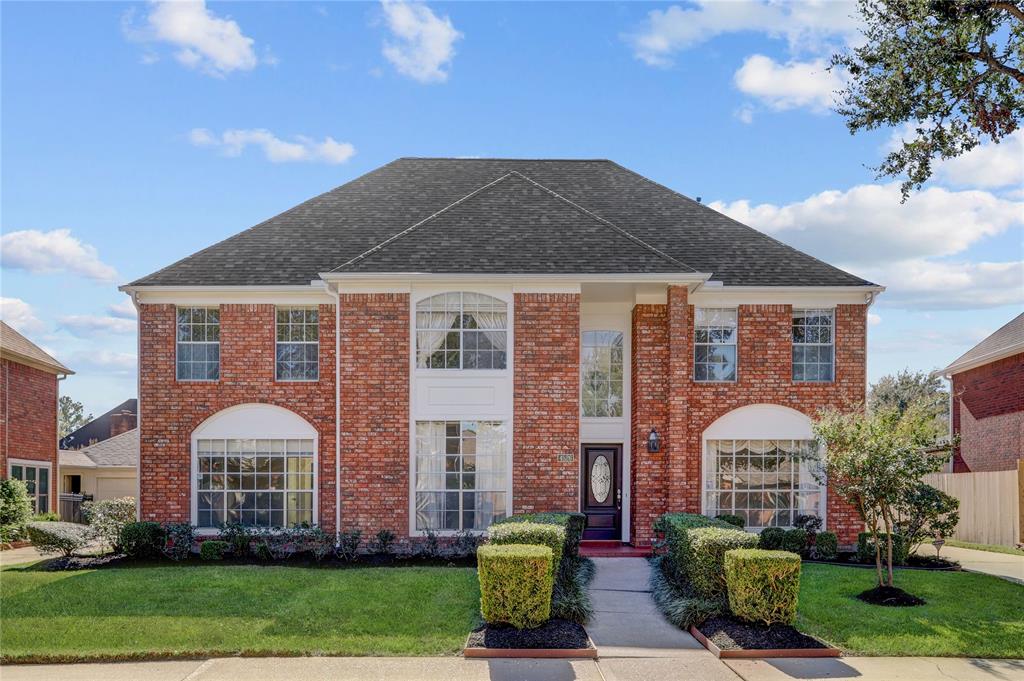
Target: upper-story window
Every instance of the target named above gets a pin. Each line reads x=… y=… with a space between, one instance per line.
x=601 y=373
x=461 y=331
x=714 y=344
x=298 y=344
x=813 y=345
x=198 y=344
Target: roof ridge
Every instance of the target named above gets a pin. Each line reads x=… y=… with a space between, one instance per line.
x=409 y=229
x=607 y=223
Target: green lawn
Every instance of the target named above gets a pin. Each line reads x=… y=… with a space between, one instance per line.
x=993 y=548
x=967 y=614
x=123 y=613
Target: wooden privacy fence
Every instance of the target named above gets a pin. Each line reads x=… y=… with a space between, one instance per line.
x=991 y=504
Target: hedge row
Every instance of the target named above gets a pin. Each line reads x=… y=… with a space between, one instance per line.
x=696 y=550
x=515 y=584
x=572 y=523
x=763 y=585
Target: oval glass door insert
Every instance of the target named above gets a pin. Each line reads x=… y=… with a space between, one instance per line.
x=600 y=479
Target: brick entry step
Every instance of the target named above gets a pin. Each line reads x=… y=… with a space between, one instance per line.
x=612 y=549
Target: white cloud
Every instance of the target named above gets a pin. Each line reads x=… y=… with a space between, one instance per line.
x=874 y=319
x=424 y=43
x=20 y=316
x=867 y=224
x=104 y=361
x=203 y=41
x=52 y=252
x=806 y=25
x=276 y=150
x=123 y=310
x=940 y=285
x=89 y=325
x=988 y=165
x=788 y=86
x=745 y=114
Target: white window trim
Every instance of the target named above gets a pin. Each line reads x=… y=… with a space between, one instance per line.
x=693 y=340
x=197 y=435
x=177 y=343
x=277 y=379
x=759 y=422
x=793 y=344
x=34 y=463
x=455 y=376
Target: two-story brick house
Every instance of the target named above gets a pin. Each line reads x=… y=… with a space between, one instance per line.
x=29 y=391
x=442 y=342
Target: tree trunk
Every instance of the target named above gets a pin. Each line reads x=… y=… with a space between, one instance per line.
x=888 y=543
x=878 y=549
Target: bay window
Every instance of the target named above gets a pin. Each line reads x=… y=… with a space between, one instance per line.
x=460 y=474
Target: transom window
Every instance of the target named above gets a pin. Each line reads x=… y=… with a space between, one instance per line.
x=37 y=481
x=714 y=344
x=198 y=346
x=461 y=331
x=813 y=345
x=601 y=373
x=460 y=474
x=765 y=482
x=298 y=344
x=255 y=482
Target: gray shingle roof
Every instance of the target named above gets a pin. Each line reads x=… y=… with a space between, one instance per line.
x=120 y=450
x=514 y=226
x=1006 y=341
x=21 y=349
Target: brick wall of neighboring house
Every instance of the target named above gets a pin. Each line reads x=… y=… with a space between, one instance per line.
x=171 y=410
x=546 y=402
x=988 y=414
x=374 y=332
x=764 y=375
x=28 y=418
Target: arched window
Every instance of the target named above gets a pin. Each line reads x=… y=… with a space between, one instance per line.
x=601 y=373
x=759 y=464
x=254 y=464
x=461 y=330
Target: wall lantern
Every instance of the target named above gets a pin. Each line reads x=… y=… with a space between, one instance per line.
x=653 y=441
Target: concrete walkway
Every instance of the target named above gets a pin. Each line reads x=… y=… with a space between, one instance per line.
x=1002 y=565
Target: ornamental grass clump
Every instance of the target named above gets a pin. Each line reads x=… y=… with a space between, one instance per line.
x=515 y=584
x=551 y=536
x=763 y=585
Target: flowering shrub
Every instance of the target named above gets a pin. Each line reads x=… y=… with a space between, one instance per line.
x=178 y=539
x=53 y=537
x=108 y=517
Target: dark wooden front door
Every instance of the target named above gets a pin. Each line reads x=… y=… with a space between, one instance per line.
x=602 y=491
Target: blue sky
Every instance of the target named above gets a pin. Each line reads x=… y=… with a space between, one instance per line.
x=147 y=131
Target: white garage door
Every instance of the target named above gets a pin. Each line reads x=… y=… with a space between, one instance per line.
x=112 y=488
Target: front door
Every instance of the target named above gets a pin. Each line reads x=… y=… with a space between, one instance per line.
x=602 y=491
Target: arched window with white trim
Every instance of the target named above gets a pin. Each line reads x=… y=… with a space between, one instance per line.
x=461 y=330
x=758 y=464
x=254 y=464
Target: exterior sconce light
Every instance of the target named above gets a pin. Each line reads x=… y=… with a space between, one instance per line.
x=653 y=441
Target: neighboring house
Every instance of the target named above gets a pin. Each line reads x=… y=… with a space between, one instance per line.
x=987 y=393
x=105 y=470
x=442 y=342
x=28 y=416
x=120 y=419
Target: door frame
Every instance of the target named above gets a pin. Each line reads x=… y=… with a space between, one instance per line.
x=619 y=449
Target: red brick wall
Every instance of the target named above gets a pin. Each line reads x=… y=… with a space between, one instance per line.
x=171 y=410
x=649 y=403
x=546 y=402
x=374 y=332
x=764 y=375
x=28 y=418
x=988 y=414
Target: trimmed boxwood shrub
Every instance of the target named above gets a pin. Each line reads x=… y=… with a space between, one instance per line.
x=551 y=536
x=572 y=523
x=736 y=520
x=54 y=537
x=826 y=546
x=707 y=566
x=674 y=527
x=795 y=541
x=515 y=584
x=141 y=540
x=213 y=549
x=763 y=585
x=771 y=539
x=866 y=548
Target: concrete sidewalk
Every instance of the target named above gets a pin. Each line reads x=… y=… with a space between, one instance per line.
x=1002 y=565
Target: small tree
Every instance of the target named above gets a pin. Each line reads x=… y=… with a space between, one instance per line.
x=874 y=461
x=15 y=509
x=70 y=416
x=926 y=513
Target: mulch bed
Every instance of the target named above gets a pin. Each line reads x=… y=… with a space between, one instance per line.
x=890 y=595
x=552 y=634
x=914 y=562
x=731 y=634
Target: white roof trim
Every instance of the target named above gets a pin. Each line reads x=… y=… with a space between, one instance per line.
x=994 y=356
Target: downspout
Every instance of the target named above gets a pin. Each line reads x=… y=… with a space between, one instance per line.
x=337 y=413
x=138 y=403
